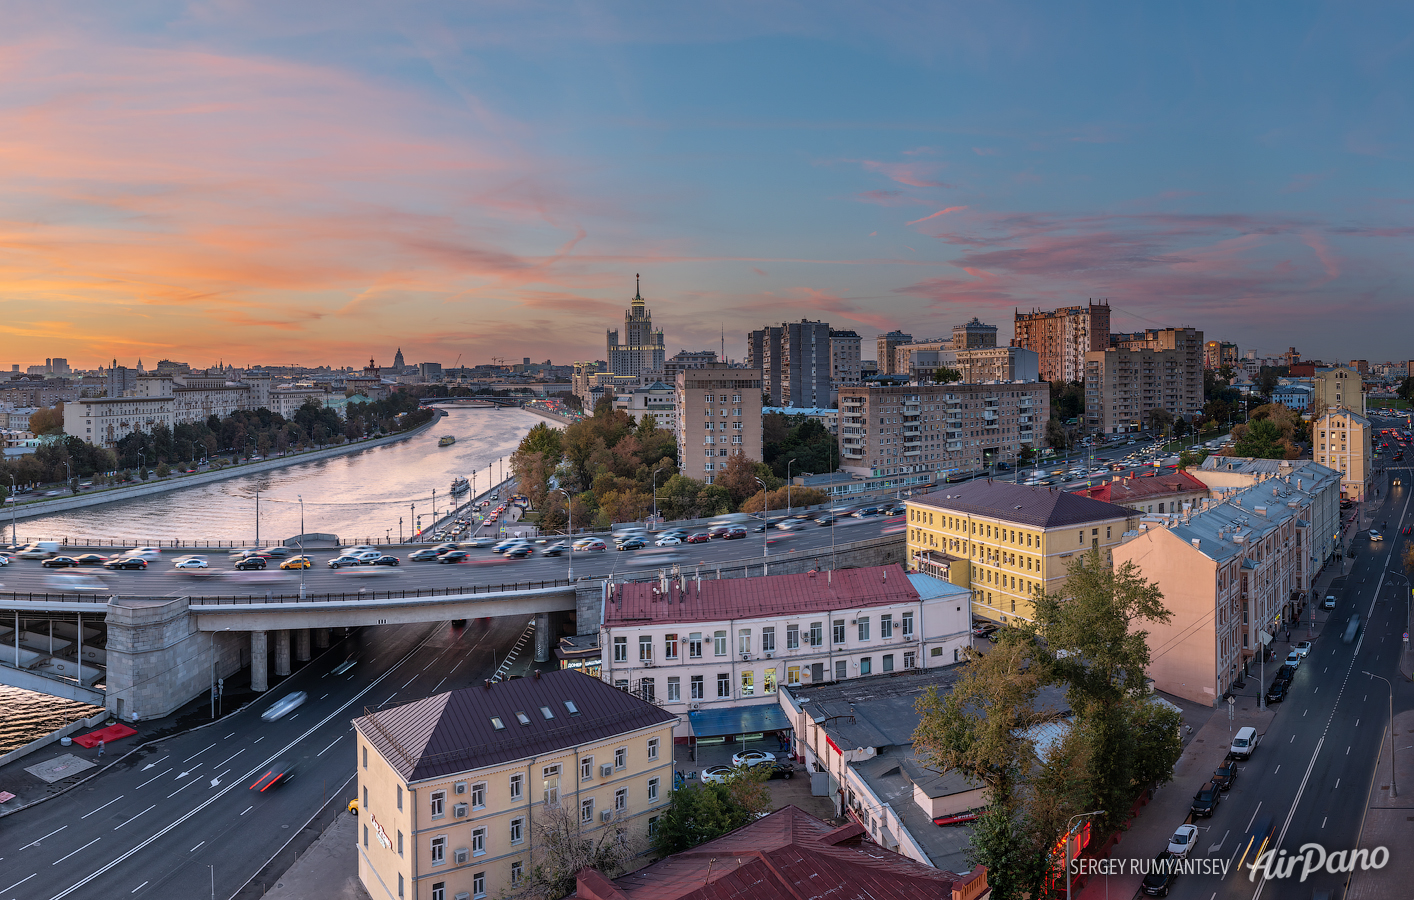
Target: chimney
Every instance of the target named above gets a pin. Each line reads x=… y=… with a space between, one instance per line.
x=488 y=684
x=537 y=674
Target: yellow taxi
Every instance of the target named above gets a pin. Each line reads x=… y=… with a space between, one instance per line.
x=296 y=562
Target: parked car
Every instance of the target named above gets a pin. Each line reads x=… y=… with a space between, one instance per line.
x=1278 y=691
x=250 y=562
x=1328 y=603
x=1304 y=648
x=752 y=757
x=775 y=769
x=1286 y=673
x=1205 y=802
x=1293 y=658
x=1183 y=840
x=716 y=774
x=126 y=562
x=984 y=629
x=1225 y=775
x=1159 y=880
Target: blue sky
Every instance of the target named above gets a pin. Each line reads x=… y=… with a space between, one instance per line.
x=324 y=184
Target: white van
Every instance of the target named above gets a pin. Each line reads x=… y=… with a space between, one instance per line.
x=39 y=550
x=1244 y=742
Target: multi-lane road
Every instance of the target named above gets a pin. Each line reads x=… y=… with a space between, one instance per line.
x=172 y=817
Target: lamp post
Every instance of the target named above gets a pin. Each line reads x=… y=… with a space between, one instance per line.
x=765 y=519
x=569 y=510
x=14 y=539
x=1069 y=833
x=1393 y=785
x=305 y=561
x=789 y=462
x=257 y=517
x=412 y=520
x=655 y=494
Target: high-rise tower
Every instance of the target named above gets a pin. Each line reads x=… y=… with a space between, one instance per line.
x=641 y=351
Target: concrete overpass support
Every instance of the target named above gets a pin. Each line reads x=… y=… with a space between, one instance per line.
x=259 y=661
x=321 y=638
x=157 y=661
x=542 y=637
x=282 y=653
x=302 y=645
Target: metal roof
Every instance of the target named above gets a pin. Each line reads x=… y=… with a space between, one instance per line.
x=1042 y=507
x=1131 y=489
x=455 y=732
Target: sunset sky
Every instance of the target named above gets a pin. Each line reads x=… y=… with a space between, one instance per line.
x=321 y=182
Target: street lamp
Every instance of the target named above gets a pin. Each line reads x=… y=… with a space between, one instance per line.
x=765 y=519
x=1393 y=785
x=14 y=539
x=1069 y=833
x=569 y=509
x=257 y=517
x=788 y=465
x=303 y=560
x=655 y=493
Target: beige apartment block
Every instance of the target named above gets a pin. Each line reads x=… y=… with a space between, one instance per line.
x=940 y=428
x=1341 y=439
x=1238 y=566
x=1337 y=387
x=718 y=414
x=1008 y=542
x=845 y=357
x=454 y=790
x=1062 y=337
x=1158 y=369
x=884 y=345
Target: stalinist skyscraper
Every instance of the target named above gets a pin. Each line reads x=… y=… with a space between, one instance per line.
x=641 y=352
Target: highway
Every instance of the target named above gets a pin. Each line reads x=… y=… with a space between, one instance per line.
x=167 y=820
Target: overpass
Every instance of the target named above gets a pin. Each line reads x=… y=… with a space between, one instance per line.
x=145 y=656
x=472 y=402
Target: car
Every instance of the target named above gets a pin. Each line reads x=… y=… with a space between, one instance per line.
x=1352 y=628
x=867 y=512
x=1328 y=603
x=827 y=519
x=752 y=757
x=274 y=774
x=250 y=562
x=361 y=548
x=735 y=533
x=556 y=549
x=675 y=532
x=1286 y=673
x=1160 y=878
x=1205 y=802
x=1294 y=658
x=793 y=525
x=718 y=531
x=756 y=529
x=964 y=818
x=422 y=555
x=1304 y=648
x=4 y=559
x=144 y=552
x=190 y=562
x=60 y=562
x=775 y=769
x=90 y=559
x=1183 y=840
x=385 y=561
x=454 y=556
x=520 y=551
x=1225 y=775
x=126 y=562
x=593 y=544
x=297 y=562
x=669 y=541
x=480 y=543
x=700 y=537
x=340 y=562
x=1375 y=535
x=366 y=556
x=284 y=706
x=631 y=543
x=716 y=774
x=1278 y=691
x=276 y=552
x=353 y=806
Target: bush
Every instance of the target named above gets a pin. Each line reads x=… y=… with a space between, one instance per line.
x=163 y=470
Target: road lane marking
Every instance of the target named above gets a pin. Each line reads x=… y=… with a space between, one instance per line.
x=138 y=888
x=439 y=684
x=104 y=806
x=1347 y=751
x=18 y=883
x=36 y=841
x=1254 y=816
x=258 y=740
x=155 y=777
x=197 y=847
x=410 y=681
x=155 y=763
x=198 y=753
x=247 y=809
x=143 y=813
x=229 y=736
x=321 y=698
x=1337 y=785
x=67 y=855
x=1276 y=770
x=331 y=743
x=231 y=757
x=1323 y=821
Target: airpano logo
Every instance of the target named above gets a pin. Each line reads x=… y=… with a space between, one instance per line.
x=1276 y=864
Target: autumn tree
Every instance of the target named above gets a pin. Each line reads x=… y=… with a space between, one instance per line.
x=563 y=846
x=799 y=497
x=49 y=420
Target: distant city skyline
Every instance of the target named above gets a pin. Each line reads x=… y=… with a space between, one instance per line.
x=326 y=184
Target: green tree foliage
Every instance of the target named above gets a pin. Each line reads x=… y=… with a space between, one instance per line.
x=702 y=812
x=738 y=475
x=944 y=375
x=1160 y=419
x=1260 y=438
x=799 y=440
x=536 y=459
x=1405 y=391
x=1067 y=400
x=1055 y=434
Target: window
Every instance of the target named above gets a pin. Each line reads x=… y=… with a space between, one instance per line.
x=645 y=648
x=586 y=810
x=439 y=803
x=863 y=624
x=694 y=645
x=400 y=884
x=365 y=796
x=670 y=646
x=674 y=688
x=838 y=629
x=743 y=640
x=517 y=781
x=908 y=624
x=748 y=686
x=546 y=712
x=841 y=670
x=724 y=684
x=696 y=687
x=817 y=634
x=620 y=757
x=793 y=675
x=517 y=830
x=621 y=683
x=888 y=662
x=400 y=797
x=400 y=843
x=478 y=841
x=497 y=724
x=439 y=850
x=652 y=748
x=478 y=885
x=768 y=682
x=719 y=643
x=365 y=757
x=621 y=800
x=478 y=795
x=620 y=649
x=551 y=784
x=586 y=768
x=517 y=872
x=866 y=665
x=573 y=710
x=792 y=637
x=653 y=825
x=910 y=660
x=365 y=837
x=439 y=891
x=652 y=789
x=886 y=627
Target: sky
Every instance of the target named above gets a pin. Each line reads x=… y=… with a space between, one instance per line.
x=325 y=182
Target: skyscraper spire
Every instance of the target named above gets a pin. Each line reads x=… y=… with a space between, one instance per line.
x=637 y=288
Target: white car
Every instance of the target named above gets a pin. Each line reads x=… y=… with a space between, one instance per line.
x=1303 y=648
x=752 y=757
x=1183 y=840
x=716 y=774
x=1375 y=535
x=1294 y=658
x=361 y=548
x=190 y=562
x=365 y=556
x=284 y=706
x=148 y=553
x=668 y=542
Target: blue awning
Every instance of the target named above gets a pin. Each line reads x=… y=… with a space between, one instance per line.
x=739 y=720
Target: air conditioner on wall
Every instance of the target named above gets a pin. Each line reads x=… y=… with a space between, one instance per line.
x=770 y=654
x=695 y=705
x=606 y=770
x=460 y=810
x=461 y=856
x=461 y=787
x=606 y=815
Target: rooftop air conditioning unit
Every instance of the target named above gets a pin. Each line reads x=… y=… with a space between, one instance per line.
x=606 y=815
x=461 y=856
x=605 y=770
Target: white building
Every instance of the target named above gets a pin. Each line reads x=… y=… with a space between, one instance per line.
x=716 y=651
x=656 y=399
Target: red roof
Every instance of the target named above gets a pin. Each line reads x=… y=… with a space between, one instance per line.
x=743 y=598
x=1144 y=487
x=790 y=855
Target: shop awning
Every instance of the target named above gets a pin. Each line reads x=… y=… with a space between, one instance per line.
x=740 y=720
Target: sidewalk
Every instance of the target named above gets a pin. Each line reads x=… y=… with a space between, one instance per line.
x=327 y=870
x=1390 y=820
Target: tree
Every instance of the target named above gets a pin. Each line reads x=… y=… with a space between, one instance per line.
x=49 y=420
x=1055 y=434
x=1260 y=439
x=1067 y=400
x=945 y=375
x=702 y=812
x=800 y=441
x=1160 y=419
x=1405 y=391
x=798 y=497
x=738 y=475
x=564 y=847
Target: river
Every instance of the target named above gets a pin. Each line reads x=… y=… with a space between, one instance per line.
x=368 y=494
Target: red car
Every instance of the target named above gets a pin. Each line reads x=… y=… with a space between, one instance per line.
x=700 y=537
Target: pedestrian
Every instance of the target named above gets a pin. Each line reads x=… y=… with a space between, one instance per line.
x=100 y=746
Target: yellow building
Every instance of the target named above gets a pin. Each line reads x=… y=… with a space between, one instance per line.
x=454 y=790
x=1341 y=439
x=1008 y=542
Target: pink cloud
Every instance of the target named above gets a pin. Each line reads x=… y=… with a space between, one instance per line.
x=911 y=174
x=888 y=198
x=941 y=212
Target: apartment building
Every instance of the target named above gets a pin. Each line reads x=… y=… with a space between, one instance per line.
x=1062 y=337
x=687 y=359
x=1337 y=387
x=1342 y=439
x=106 y=420
x=981 y=365
x=1143 y=372
x=656 y=399
x=1166 y=493
x=919 y=355
x=884 y=345
x=940 y=428
x=845 y=357
x=1236 y=566
x=1007 y=542
x=795 y=360
x=1217 y=354
x=454 y=788
x=974 y=335
x=716 y=651
x=718 y=413
x=1224 y=473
